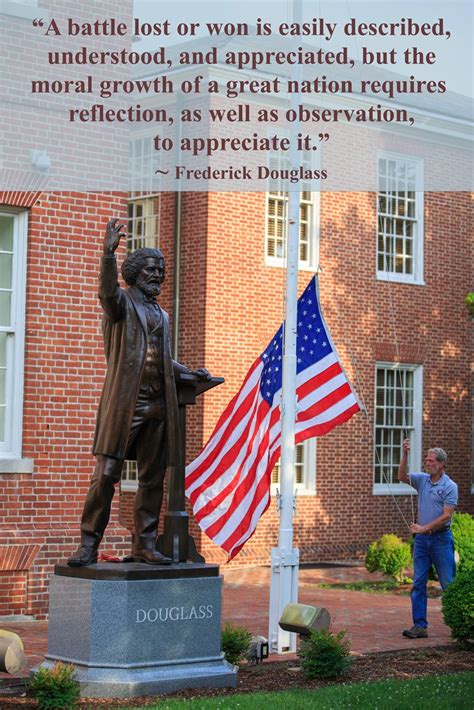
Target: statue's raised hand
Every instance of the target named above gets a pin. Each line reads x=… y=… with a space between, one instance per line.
x=113 y=234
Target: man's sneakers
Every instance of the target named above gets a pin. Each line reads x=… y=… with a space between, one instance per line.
x=416 y=632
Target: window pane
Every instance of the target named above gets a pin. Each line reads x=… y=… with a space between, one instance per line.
x=396 y=255
x=3 y=349
x=6 y=261
x=6 y=233
x=3 y=375
x=2 y=423
x=5 y=307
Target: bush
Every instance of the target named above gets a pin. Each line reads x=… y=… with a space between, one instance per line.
x=389 y=555
x=458 y=603
x=55 y=688
x=463 y=532
x=235 y=641
x=324 y=655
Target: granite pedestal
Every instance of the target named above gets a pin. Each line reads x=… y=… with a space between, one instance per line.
x=133 y=629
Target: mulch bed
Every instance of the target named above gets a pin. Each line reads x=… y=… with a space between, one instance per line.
x=286 y=675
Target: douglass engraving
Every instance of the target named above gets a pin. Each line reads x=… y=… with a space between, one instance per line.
x=175 y=613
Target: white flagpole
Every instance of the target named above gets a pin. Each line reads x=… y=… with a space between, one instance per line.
x=285 y=558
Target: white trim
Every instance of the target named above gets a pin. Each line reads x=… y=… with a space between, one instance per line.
x=395 y=489
x=417 y=278
x=16 y=465
x=11 y=448
x=128 y=486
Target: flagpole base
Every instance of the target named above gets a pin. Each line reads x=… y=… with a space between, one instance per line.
x=283 y=591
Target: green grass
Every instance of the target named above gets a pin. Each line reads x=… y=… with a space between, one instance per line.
x=447 y=692
x=373 y=587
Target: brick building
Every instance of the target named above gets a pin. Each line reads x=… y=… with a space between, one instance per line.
x=230 y=303
x=396 y=266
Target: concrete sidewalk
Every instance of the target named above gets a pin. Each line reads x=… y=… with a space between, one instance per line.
x=374 y=622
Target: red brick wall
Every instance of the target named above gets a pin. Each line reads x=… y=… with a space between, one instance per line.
x=64 y=366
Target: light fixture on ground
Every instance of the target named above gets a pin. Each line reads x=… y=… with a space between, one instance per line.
x=303 y=618
x=12 y=656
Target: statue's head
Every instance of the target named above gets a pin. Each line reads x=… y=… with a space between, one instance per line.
x=145 y=269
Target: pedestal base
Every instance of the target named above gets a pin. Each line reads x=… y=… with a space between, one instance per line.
x=138 y=630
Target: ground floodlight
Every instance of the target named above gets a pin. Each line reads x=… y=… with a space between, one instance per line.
x=12 y=656
x=303 y=618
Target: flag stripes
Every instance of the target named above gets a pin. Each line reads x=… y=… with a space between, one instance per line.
x=228 y=484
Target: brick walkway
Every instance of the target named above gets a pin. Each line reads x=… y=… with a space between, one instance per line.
x=374 y=621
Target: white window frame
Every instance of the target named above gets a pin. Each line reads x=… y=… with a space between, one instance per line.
x=150 y=218
x=415 y=436
x=11 y=450
x=312 y=263
x=308 y=486
x=129 y=483
x=418 y=250
x=144 y=160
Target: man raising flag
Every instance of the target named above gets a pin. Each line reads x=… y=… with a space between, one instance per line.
x=228 y=484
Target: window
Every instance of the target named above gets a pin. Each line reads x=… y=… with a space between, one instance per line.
x=13 y=236
x=398 y=416
x=400 y=219
x=305 y=468
x=129 y=476
x=143 y=231
x=143 y=227
x=144 y=160
x=276 y=231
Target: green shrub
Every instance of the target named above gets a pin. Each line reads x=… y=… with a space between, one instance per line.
x=324 y=655
x=463 y=532
x=235 y=641
x=389 y=555
x=55 y=688
x=458 y=603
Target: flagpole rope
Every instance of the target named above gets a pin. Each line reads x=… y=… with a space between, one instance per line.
x=397 y=353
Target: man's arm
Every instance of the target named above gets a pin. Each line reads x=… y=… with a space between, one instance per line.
x=110 y=293
x=403 y=467
x=438 y=522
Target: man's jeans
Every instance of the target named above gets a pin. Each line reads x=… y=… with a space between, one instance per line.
x=436 y=549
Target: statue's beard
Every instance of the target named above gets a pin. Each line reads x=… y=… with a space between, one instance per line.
x=149 y=289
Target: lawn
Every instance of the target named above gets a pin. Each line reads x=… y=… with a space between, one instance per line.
x=445 y=692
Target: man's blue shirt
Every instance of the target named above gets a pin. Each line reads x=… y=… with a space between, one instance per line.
x=432 y=497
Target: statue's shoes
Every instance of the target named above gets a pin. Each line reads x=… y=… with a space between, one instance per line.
x=83 y=557
x=150 y=557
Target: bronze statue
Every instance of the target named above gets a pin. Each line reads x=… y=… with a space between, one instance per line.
x=138 y=411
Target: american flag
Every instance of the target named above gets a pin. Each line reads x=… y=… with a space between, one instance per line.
x=228 y=484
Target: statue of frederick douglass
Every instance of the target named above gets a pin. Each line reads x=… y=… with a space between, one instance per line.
x=138 y=411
